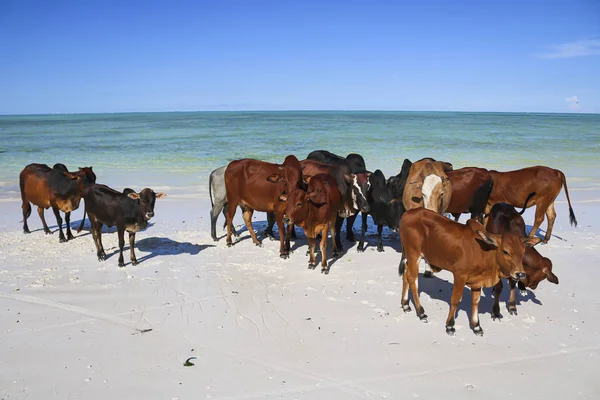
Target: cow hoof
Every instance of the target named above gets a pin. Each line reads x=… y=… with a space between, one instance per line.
x=450 y=330
x=336 y=255
x=428 y=274
x=406 y=308
x=26 y=231
x=478 y=331
x=62 y=239
x=380 y=249
x=70 y=237
x=48 y=232
x=497 y=316
x=325 y=271
x=258 y=244
x=229 y=244
x=236 y=234
x=284 y=256
x=121 y=264
x=134 y=262
x=79 y=230
x=424 y=318
x=312 y=266
x=360 y=249
x=512 y=312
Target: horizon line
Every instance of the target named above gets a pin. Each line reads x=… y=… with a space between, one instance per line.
x=298 y=110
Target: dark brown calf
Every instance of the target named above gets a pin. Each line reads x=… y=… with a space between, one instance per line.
x=504 y=218
x=513 y=187
x=471 y=188
x=315 y=210
x=48 y=187
x=257 y=185
x=475 y=258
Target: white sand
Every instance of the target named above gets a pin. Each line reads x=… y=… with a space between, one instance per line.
x=261 y=327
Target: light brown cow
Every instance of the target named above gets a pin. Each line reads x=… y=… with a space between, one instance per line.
x=475 y=257
x=428 y=186
x=513 y=187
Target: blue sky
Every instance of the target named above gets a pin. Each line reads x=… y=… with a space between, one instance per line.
x=112 y=56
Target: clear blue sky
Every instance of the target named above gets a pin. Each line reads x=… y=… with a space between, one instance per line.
x=473 y=55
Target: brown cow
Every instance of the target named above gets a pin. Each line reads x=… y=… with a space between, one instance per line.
x=504 y=218
x=428 y=186
x=257 y=185
x=471 y=188
x=513 y=187
x=48 y=187
x=315 y=210
x=475 y=257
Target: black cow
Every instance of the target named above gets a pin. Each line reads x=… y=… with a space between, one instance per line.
x=89 y=178
x=128 y=211
x=352 y=164
x=386 y=210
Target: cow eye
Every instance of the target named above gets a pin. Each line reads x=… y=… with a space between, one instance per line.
x=506 y=252
x=299 y=204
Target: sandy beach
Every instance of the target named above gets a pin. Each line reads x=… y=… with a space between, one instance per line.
x=262 y=327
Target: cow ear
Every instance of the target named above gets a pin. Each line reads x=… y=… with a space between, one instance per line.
x=531 y=241
x=133 y=195
x=488 y=238
x=283 y=197
x=348 y=178
x=274 y=178
x=550 y=276
x=160 y=195
x=306 y=179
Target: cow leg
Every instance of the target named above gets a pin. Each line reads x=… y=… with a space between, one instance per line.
x=496 y=308
x=428 y=273
x=539 y=218
x=338 y=233
x=47 y=231
x=379 y=239
x=284 y=252
x=456 y=216
x=235 y=233
x=247 y=215
x=229 y=223
x=361 y=244
x=512 y=300
x=288 y=233
x=475 y=296
x=336 y=253
x=349 y=224
x=82 y=222
x=551 y=216
x=457 y=291
x=132 y=248
x=61 y=235
x=68 y=223
x=96 y=228
x=26 y=213
x=214 y=215
x=404 y=299
x=324 y=266
x=121 y=234
x=270 y=223
x=522 y=288
x=413 y=282
x=311 y=250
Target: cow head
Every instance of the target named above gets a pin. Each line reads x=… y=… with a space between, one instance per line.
x=89 y=177
x=360 y=186
x=296 y=209
x=146 y=199
x=509 y=250
x=436 y=192
x=289 y=176
x=536 y=275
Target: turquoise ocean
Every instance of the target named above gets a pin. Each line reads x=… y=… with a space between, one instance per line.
x=175 y=152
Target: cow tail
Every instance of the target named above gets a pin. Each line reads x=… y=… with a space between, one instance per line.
x=210 y=178
x=402 y=266
x=527 y=201
x=572 y=218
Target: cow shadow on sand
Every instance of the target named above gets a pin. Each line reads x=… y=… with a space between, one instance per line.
x=441 y=289
x=158 y=246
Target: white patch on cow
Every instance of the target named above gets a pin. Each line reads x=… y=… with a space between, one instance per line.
x=429 y=183
x=357 y=190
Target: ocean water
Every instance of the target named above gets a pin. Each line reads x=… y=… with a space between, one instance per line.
x=175 y=152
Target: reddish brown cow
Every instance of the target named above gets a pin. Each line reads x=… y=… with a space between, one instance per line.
x=257 y=185
x=316 y=212
x=513 y=187
x=504 y=218
x=471 y=188
x=48 y=187
x=475 y=257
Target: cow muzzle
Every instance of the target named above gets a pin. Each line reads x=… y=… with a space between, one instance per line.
x=286 y=220
x=519 y=275
x=149 y=215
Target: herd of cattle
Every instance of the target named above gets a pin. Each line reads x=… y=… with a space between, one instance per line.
x=317 y=194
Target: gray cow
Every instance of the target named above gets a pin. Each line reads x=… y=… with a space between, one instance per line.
x=216 y=186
